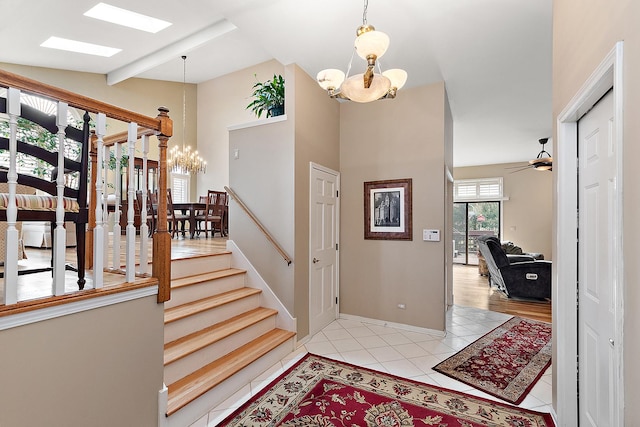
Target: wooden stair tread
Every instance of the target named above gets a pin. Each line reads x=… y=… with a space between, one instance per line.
x=200 y=278
x=187 y=257
x=195 y=341
x=194 y=385
x=179 y=312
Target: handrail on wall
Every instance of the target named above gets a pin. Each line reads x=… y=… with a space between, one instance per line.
x=261 y=227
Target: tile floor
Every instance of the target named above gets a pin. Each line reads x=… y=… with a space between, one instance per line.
x=396 y=351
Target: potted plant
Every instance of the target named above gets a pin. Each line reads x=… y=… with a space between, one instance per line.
x=268 y=96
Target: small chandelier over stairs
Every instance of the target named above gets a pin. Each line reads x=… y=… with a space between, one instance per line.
x=183 y=160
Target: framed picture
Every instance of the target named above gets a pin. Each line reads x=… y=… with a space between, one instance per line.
x=387 y=210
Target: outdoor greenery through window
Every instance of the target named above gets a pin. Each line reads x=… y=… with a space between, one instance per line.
x=476 y=212
x=32 y=133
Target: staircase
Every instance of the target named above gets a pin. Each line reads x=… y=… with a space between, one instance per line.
x=218 y=336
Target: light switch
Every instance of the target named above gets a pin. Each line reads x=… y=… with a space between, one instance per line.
x=236 y=154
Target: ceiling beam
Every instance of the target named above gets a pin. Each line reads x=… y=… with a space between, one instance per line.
x=171 y=51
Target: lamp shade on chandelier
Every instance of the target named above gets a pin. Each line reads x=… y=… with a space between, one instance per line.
x=182 y=159
x=370 y=85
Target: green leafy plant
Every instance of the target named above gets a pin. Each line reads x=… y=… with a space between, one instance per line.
x=33 y=134
x=268 y=97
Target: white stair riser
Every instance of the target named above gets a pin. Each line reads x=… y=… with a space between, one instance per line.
x=188 y=364
x=196 y=322
x=202 y=290
x=205 y=403
x=192 y=266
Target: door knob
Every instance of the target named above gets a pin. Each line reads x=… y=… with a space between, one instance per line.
x=315 y=260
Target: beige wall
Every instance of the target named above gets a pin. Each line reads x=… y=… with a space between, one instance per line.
x=222 y=103
x=583 y=35
x=317 y=136
x=401 y=138
x=99 y=368
x=447 y=233
x=527 y=215
x=263 y=177
x=271 y=175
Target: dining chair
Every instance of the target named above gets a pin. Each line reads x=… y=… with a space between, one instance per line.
x=175 y=218
x=212 y=214
x=152 y=211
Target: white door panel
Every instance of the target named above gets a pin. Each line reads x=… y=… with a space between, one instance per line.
x=596 y=267
x=323 y=249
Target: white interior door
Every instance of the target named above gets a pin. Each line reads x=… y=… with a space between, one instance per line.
x=323 y=247
x=597 y=276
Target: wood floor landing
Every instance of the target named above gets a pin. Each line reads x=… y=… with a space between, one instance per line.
x=34 y=290
x=470 y=289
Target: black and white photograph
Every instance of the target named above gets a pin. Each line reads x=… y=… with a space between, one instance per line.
x=387 y=206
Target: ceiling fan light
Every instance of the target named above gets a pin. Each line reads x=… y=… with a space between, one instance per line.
x=330 y=79
x=371 y=43
x=397 y=77
x=542 y=163
x=353 y=88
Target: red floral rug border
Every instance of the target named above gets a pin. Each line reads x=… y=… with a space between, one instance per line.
x=275 y=401
x=506 y=362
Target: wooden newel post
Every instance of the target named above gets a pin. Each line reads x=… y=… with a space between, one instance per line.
x=161 y=266
x=93 y=156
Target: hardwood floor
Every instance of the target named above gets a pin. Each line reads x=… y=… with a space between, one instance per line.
x=470 y=289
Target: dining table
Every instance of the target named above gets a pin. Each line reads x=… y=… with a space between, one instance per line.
x=190 y=208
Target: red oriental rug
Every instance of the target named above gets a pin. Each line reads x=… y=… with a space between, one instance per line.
x=320 y=392
x=506 y=362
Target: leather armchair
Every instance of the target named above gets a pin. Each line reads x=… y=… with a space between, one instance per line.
x=519 y=276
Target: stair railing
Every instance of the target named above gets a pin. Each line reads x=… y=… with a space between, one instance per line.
x=140 y=127
x=261 y=227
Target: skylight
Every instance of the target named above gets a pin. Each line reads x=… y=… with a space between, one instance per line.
x=80 y=47
x=127 y=18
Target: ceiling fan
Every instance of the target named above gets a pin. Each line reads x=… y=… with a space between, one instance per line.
x=543 y=162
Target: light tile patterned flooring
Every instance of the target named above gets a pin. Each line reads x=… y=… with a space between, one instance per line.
x=396 y=351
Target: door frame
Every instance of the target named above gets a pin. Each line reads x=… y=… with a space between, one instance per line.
x=329 y=171
x=565 y=272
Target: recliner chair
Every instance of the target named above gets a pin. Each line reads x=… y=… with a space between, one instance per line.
x=518 y=277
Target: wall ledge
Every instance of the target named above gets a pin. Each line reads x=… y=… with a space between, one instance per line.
x=59 y=310
x=259 y=122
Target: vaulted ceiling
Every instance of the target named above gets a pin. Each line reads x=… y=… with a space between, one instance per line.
x=494 y=55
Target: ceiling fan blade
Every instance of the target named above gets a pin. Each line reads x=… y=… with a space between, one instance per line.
x=521 y=169
x=524 y=165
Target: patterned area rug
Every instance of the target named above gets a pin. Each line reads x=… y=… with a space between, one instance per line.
x=320 y=392
x=506 y=362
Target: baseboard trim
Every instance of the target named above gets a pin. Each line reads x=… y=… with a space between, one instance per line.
x=402 y=326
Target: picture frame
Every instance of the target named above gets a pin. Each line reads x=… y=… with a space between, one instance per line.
x=387 y=210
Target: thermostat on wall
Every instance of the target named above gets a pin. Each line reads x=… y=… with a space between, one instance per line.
x=431 y=235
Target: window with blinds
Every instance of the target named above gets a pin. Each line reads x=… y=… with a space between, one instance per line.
x=477 y=189
x=180 y=187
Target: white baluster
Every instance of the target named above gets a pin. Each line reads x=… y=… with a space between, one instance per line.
x=116 y=226
x=144 y=227
x=98 y=232
x=131 y=194
x=10 y=285
x=105 y=213
x=60 y=235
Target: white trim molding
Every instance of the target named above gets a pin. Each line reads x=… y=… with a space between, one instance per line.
x=607 y=75
x=402 y=326
x=39 y=315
